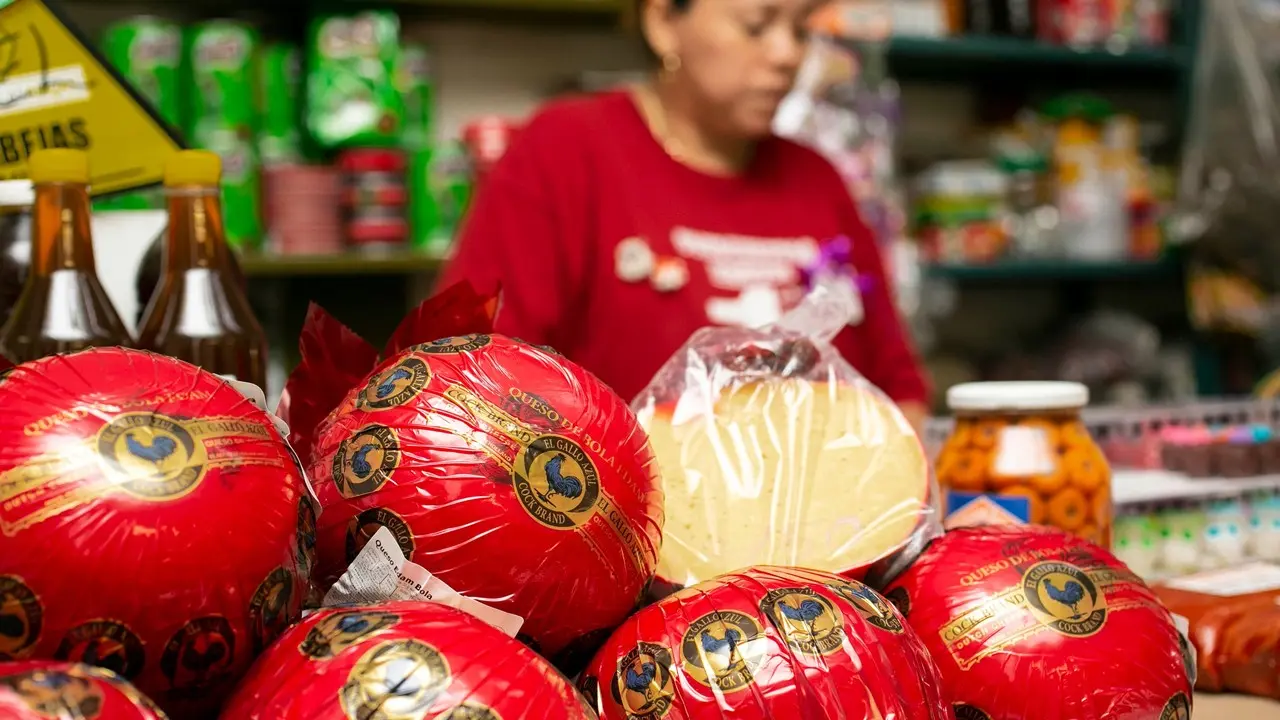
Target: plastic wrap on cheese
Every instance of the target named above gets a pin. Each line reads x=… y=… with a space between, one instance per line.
x=774 y=450
x=402 y=660
x=152 y=522
x=508 y=472
x=40 y=690
x=1234 y=619
x=763 y=643
x=1031 y=622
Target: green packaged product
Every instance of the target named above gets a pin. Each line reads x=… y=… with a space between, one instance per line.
x=147 y=51
x=449 y=175
x=424 y=210
x=223 y=118
x=279 y=87
x=353 y=98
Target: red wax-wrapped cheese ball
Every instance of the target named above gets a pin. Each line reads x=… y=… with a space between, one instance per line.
x=510 y=473
x=153 y=523
x=767 y=642
x=39 y=690
x=402 y=660
x=1028 y=621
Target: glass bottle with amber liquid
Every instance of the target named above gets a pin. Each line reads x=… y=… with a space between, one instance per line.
x=199 y=311
x=63 y=307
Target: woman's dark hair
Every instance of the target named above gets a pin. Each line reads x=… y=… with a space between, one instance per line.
x=679 y=5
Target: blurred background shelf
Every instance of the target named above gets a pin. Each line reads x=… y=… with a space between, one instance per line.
x=1055 y=270
x=975 y=50
x=284 y=266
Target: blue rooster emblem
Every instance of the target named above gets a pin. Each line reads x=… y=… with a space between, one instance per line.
x=388 y=384
x=353 y=624
x=360 y=460
x=866 y=595
x=558 y=483
x=808 y=611
x=642 y=681
x=1070 y=594
x=441 y=342
x=722 y=648
x=156 y=451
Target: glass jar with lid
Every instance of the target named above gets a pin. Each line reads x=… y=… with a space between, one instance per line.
x=1019 y=453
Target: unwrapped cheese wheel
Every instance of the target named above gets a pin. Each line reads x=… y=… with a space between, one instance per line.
x=402 y=660
x=786 y=471
x=41 y=690
x=152 y=521
x=763 y=643
x=1031 y=622
x=511 y=474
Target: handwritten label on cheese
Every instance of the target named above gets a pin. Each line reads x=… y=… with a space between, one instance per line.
x=381 y=573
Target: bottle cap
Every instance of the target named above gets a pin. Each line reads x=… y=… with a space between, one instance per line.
x=193 y=167
x=59 y=165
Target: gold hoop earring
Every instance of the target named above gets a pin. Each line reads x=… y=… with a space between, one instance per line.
x=670 y=63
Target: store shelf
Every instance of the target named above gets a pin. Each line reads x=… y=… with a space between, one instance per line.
x=592 y=6
x=398 y=263
x=1135 y=487
x=941 y=57
x=1053 y=270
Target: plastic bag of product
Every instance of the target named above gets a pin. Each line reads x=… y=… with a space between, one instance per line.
x=402 y=660
x=767 y=642
x=512 y=475
x=154 y=522
x=1031 y=622
x=1234 y=619
x=774 y=450
x=40 y=690
x=353 y=99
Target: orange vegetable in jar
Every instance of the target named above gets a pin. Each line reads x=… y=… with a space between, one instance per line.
x=1020 y=454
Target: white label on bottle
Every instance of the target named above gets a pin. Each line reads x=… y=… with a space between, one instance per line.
x=1243 y=580
x=1023 y=452
x=381 y=573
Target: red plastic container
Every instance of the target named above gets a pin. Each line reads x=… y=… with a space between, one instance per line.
x=153 y=522
x=510 y=473
x=763 y=643
x=1029 y=621
x=41 y=690
x=402 y=660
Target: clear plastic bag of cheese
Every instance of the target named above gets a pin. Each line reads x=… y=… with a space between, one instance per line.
x=773 y=450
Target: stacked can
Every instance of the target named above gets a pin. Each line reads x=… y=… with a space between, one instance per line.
x=147 y=52
x=304 y=203
x=374 y=198
x=223 y=118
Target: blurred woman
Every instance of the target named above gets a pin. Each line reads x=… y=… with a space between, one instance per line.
x=619 y=223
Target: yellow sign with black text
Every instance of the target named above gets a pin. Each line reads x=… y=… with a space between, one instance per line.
x=55 y=91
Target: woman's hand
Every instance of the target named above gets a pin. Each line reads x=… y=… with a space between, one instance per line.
x=916 y=413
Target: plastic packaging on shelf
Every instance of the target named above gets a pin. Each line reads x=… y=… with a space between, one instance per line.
x=1032 y=622
x=1020 y=454
x=1234 y=619
x=402 y=660
x=39 y=690
x=513 y=475
x=767 y=642
x=154 y=522
x=352 y=97
x=774 y=450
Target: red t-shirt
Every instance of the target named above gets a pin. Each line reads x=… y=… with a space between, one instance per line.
x=585 y=176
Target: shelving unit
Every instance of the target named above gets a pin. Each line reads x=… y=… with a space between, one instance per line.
x=395 y=263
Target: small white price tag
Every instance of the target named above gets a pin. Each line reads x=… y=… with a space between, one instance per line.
x=1023 y=452
x=381 y=573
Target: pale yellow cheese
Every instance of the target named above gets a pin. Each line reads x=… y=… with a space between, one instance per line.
x=785 y=472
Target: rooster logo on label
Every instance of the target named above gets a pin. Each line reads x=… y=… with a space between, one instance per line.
x=157 y=456
x=969 y=712
x=270 y=608
x=723 y=649
x=361 y=528
x=471 y=711
x=454 y=345
x=21 y=618
x=809 y=623
x=199 y=654
x=58 y=694
x=556 y=482
x=642 y=685
x=395 y=386
x=1064 y=598
x=105 y=643
x=365 y=461
x=871 y=605
x=1178 y=708
x=397 y=680
x=342 y=630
